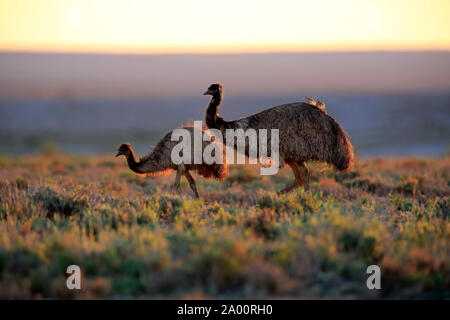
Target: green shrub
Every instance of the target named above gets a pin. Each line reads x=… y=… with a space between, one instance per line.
x=55 y=203
x=408 y=186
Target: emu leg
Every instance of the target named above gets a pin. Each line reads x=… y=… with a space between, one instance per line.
x=304 y=175
x=192 y=183
x=176 y=184
x=298 y=180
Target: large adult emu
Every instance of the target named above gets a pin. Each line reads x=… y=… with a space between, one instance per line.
x=159 y=161
x=306 y=132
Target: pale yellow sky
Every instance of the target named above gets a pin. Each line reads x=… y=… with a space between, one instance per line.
x=166 y=26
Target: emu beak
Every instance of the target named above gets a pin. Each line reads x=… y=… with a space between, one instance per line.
x=118 y=154
x=208 y=92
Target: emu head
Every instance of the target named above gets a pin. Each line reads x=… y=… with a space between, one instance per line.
x=124 y=149
x=214 y=89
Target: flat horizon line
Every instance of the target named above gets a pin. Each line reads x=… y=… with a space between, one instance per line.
x=148 y=53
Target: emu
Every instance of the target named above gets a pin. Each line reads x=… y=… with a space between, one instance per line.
x=306 y=132
x=159 y=162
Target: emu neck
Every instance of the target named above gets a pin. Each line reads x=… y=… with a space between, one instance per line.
x=132 y=164
x=213 y=119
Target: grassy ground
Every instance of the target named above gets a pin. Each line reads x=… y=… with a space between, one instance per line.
x=133 y=238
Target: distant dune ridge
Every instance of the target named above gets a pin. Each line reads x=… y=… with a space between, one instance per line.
x=161 y=76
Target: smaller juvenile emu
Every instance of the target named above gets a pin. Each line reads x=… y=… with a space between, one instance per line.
x=159 y=161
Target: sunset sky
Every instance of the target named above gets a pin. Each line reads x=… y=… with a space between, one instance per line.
x=196 y=26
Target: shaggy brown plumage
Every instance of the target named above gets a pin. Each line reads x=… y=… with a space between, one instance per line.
x=306 y=132
x=159 y=162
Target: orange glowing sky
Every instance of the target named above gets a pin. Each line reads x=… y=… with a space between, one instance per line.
x=172 y=26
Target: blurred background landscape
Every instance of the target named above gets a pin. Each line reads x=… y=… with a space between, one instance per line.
x=391 y=103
